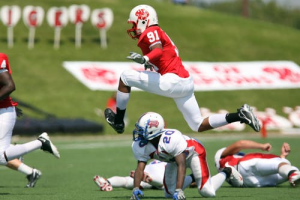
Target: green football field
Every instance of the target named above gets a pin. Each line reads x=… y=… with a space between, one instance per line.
x=82 y=157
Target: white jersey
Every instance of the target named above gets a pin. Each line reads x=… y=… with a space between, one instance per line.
x=171 y=144
x=156 y=170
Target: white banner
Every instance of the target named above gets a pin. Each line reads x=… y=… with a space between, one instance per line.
x=207 y=75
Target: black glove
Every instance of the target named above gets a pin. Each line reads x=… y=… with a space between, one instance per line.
x=19 y=112
x=148 y=66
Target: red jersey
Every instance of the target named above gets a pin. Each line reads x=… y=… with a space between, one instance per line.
x=4 y=64
x=169 y=62
x=236 y=159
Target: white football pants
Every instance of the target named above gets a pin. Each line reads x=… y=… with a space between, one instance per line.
x=168 y=85
x=262 y=172
x=7 y=122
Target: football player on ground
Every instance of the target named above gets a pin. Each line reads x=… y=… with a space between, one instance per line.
x=153 y=141
x=152 y=178
x=167 y=77
x=8 y=115
x=258 y=169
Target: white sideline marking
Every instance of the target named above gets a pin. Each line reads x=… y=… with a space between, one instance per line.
x=127 y=142
x=96 y=145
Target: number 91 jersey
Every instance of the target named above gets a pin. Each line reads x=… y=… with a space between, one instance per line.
x=169 y=62
x=171 y=144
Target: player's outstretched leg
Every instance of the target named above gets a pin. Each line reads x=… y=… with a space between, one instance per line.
x=247 y=116
x=33 y=178
x=110 y=118
x=47 y=145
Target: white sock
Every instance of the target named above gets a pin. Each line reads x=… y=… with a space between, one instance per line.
x=18 y=150
x=122 y=100
x=217 y=180
x=217 y=120
x=119 y=181
x=285 y=169
x=25 y=169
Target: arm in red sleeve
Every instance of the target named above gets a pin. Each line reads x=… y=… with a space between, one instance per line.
x=155 y=54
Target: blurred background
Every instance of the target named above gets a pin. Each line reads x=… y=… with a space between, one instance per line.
x=212 y=31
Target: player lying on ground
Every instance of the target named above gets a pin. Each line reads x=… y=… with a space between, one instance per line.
x=258 y=169
x=168 y=77
x=152 y=178
x=153 y=141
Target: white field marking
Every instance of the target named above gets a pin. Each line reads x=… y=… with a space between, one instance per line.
x=127 y=142
x=96 y=145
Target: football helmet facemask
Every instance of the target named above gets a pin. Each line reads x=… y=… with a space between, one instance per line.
x=149 y=126
x=141 y=17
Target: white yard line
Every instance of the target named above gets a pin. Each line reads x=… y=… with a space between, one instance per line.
x=112 y=141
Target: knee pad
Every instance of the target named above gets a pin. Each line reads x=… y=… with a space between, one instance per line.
x=195 y=125
x=206 y=192
x=128 y=74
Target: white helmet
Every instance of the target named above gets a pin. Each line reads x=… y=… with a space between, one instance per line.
x=149 y=126
x=141 y=17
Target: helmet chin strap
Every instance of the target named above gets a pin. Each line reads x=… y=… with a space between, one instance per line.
x=143 y=142
x=155 y=135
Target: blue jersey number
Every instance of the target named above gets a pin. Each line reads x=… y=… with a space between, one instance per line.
x=167 y=138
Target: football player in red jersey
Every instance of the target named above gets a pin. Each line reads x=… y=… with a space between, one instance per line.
x=167 y=77
x=258 y=169
x=8 y=114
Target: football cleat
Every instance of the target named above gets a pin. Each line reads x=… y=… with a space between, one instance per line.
x=32 y=178
x=247 y=116
x=110 y=118
x=294 y=179
x=103 y=184
x=235 y=178
x=47 y=145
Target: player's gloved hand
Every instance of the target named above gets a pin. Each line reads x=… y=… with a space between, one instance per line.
x=148 y=66
x=19 y=112
x=136 y=193
x=136 y=58
x=179 y=195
